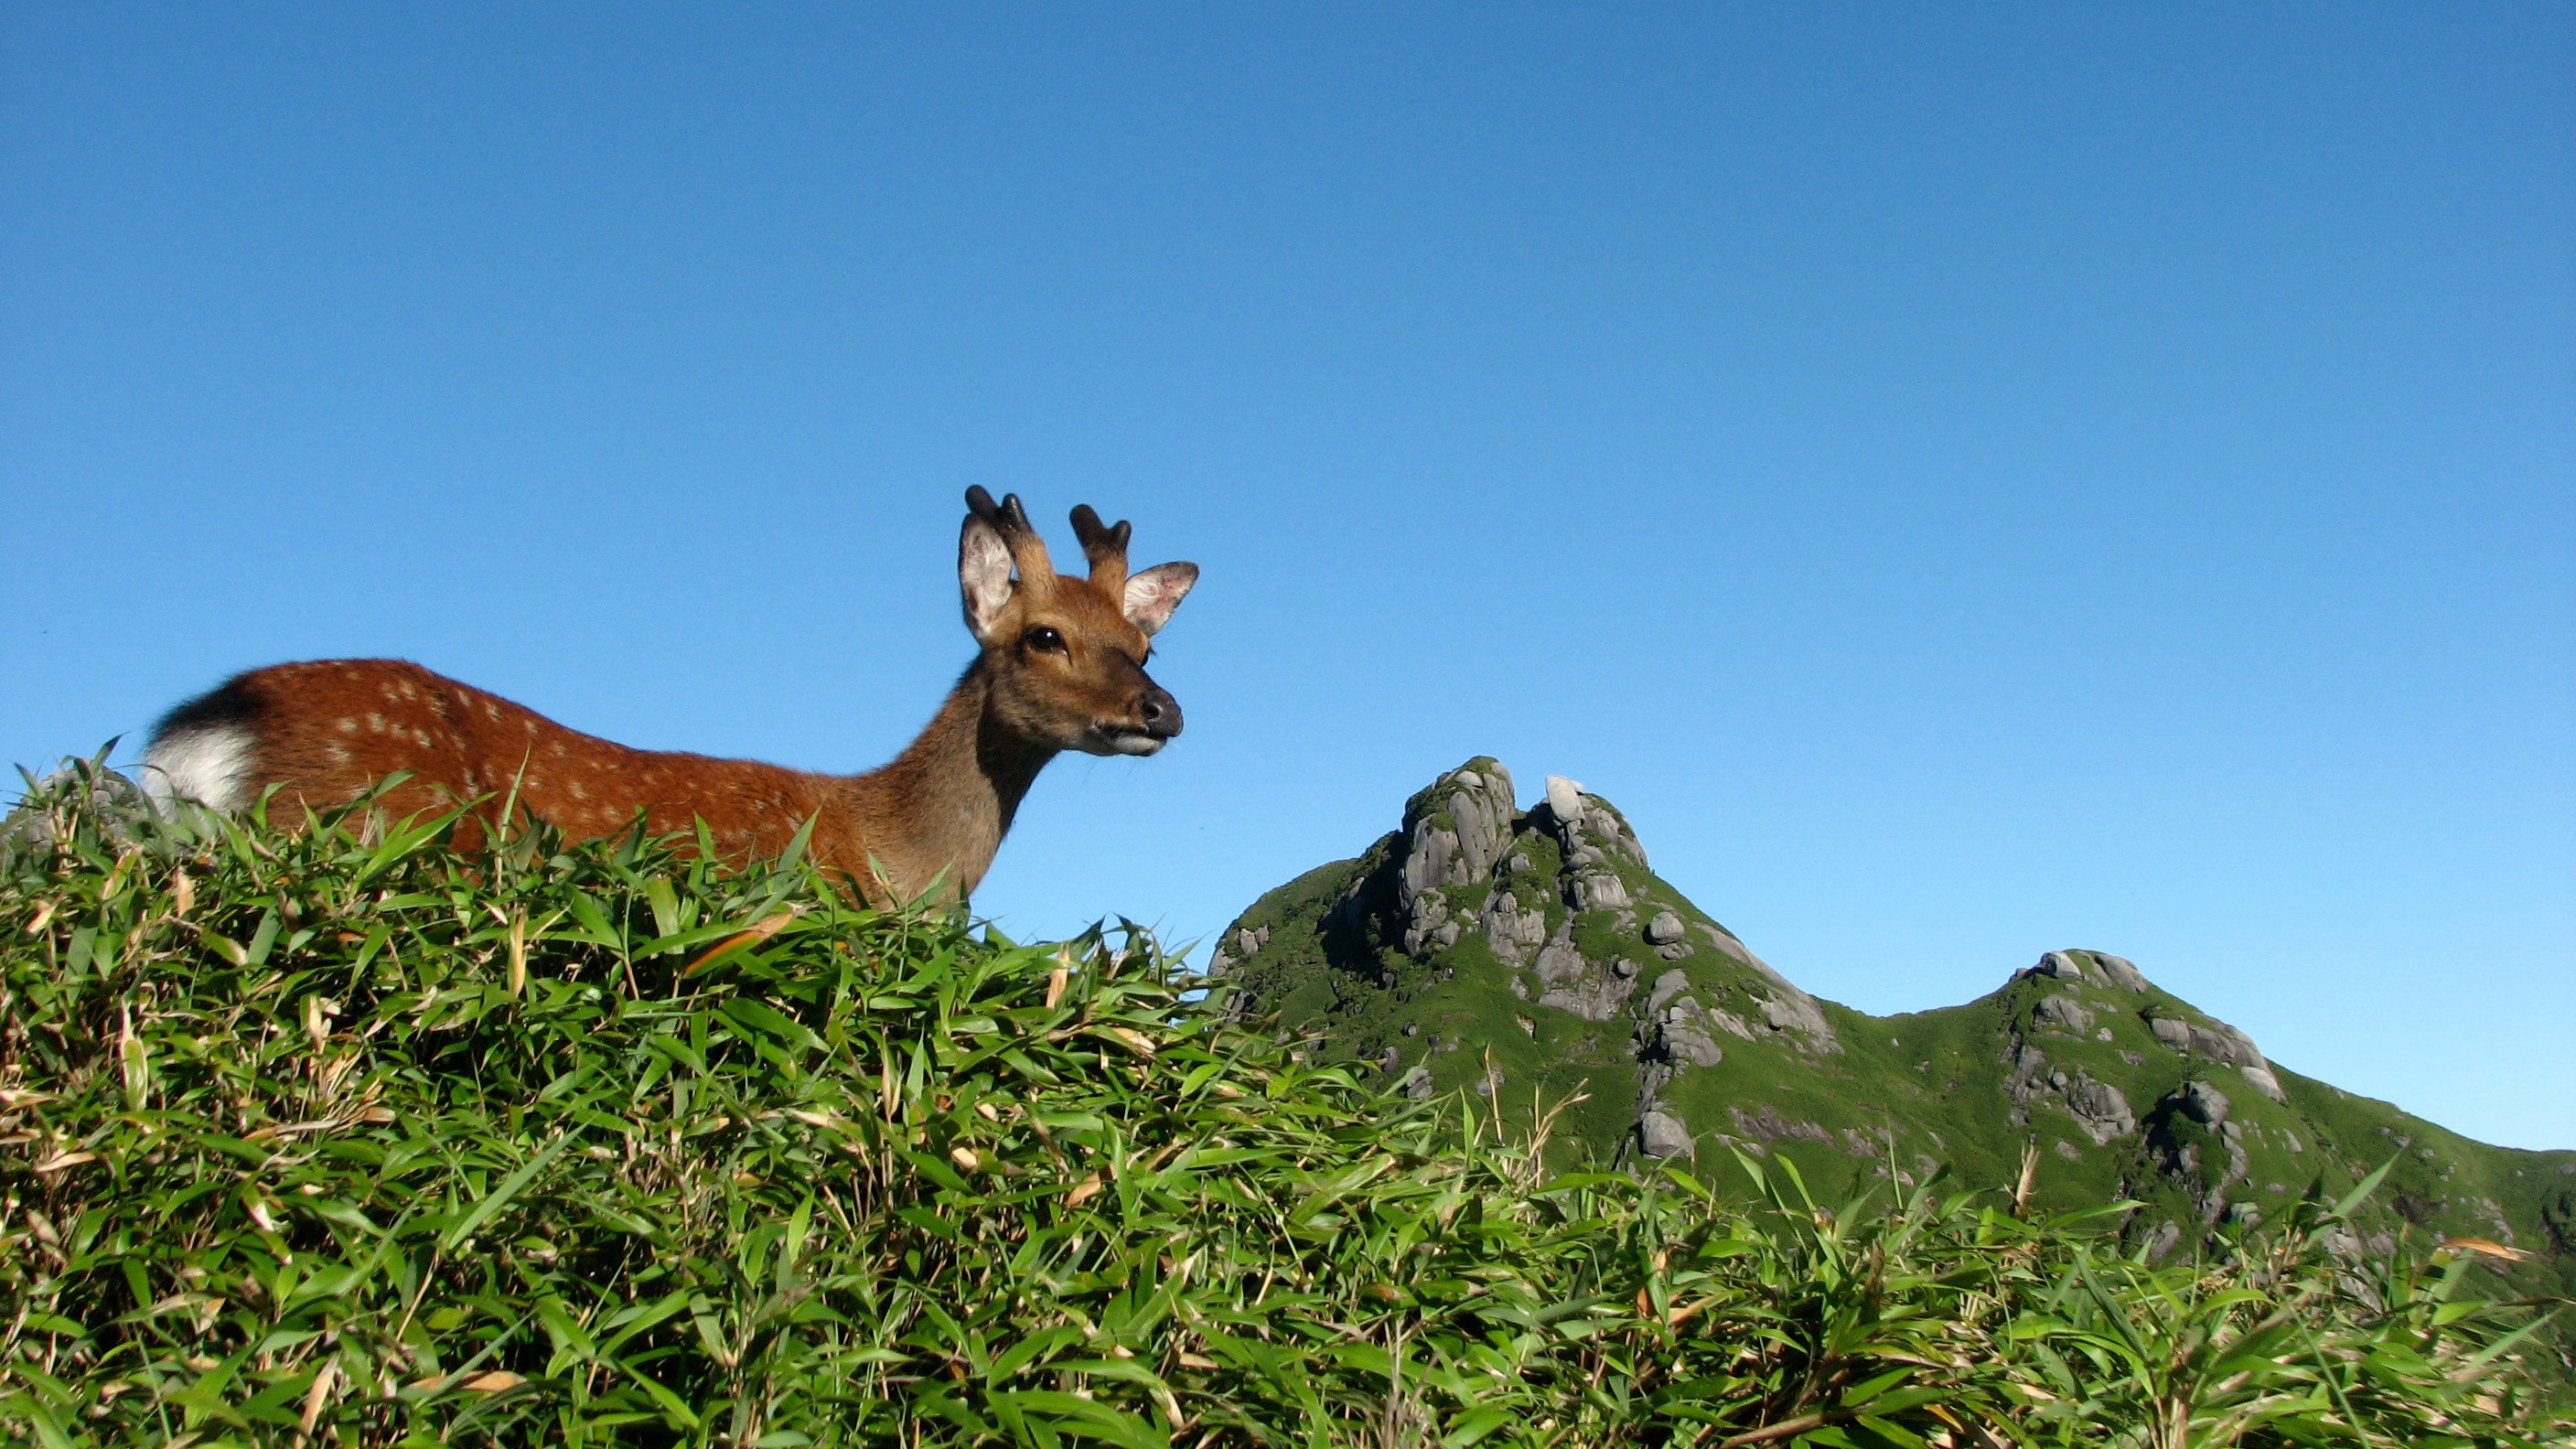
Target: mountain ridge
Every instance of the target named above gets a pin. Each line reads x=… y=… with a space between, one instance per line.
x=1532 y=956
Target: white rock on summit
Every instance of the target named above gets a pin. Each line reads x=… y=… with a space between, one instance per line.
x=1565 y=797
x=2106 y=969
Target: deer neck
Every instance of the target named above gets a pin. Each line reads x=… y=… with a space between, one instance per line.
x=944 y=804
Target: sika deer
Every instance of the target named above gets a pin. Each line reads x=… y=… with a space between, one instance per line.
x=1061 y=667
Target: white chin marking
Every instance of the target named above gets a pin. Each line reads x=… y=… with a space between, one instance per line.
x=211 y=765
x=1135 y=744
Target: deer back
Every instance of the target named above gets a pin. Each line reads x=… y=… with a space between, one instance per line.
x=326 y=731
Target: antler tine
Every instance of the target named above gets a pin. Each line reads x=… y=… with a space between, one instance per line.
x=1105 y=547
x=1011 y=521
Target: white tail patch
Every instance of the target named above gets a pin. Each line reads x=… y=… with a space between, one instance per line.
x=210 y=764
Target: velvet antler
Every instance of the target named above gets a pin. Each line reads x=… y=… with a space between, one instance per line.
x=1105 y=547
x=1011 y=521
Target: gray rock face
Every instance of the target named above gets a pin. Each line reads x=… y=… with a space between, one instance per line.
x=1788 y=1009
x=1661 y=1135
x=1510 y=929
x=1236 y=947
x=2179 y=1154
x=2225 y=1043
x=1565 y=798
x=1796 y=1013
x=1569 y=982
x=2100 y=1108
x=2162 y=1240
x=1594 y=998
x=1724 y=942
x=2030 y=1072
x=2119 y=971
x=1588 y=829
x=1480 y=806
x=1767 y=1123
x=1730 y=1023
x=2060 y=965
x=2203 y=1103
x=1455 y=832
x=1650 y=1086
x=2092 y=966
x=1667 y=986
x=1426 y=920
x=1558 y=961
x=1684 y=1035
x=1596 y=890
x=2219 y=1042
x=1664 y=929
x=2063 y=1010
x=1416 y=1085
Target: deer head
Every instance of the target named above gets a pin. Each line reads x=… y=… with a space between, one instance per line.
x=1066 y=656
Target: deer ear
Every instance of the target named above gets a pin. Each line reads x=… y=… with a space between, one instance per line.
x=1153 y=594
x=984 y=575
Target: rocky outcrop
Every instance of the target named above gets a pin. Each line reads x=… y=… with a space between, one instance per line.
x=2203 y=1103
x=1796 y=1014
x=1674 y=1028
x=1455 y=833
x=1570 y=981
x=2100 y=970
x=1242 y=943
x=1596 y=890
x=1588 y=828
x=1770 y=1124
x=1661 y=1135
x=2198 y=1146
x=1589 y=997
x=2096 y=967
x=2219 y=1042
x=2100 y=1108
x=1511 y=929
x=2065 y=1012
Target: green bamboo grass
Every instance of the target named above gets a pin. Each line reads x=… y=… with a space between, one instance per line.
x=338 y=1136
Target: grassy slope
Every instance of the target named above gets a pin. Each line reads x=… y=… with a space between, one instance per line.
x=314 y=1139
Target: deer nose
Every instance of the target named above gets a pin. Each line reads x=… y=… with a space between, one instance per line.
x=1161 y=712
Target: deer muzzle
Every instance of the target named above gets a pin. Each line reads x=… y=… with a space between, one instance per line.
x=1157 y=718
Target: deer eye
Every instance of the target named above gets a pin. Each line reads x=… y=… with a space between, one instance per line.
x=1044 y=639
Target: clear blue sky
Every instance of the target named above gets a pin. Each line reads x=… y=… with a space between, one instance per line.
x=1966 y=480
